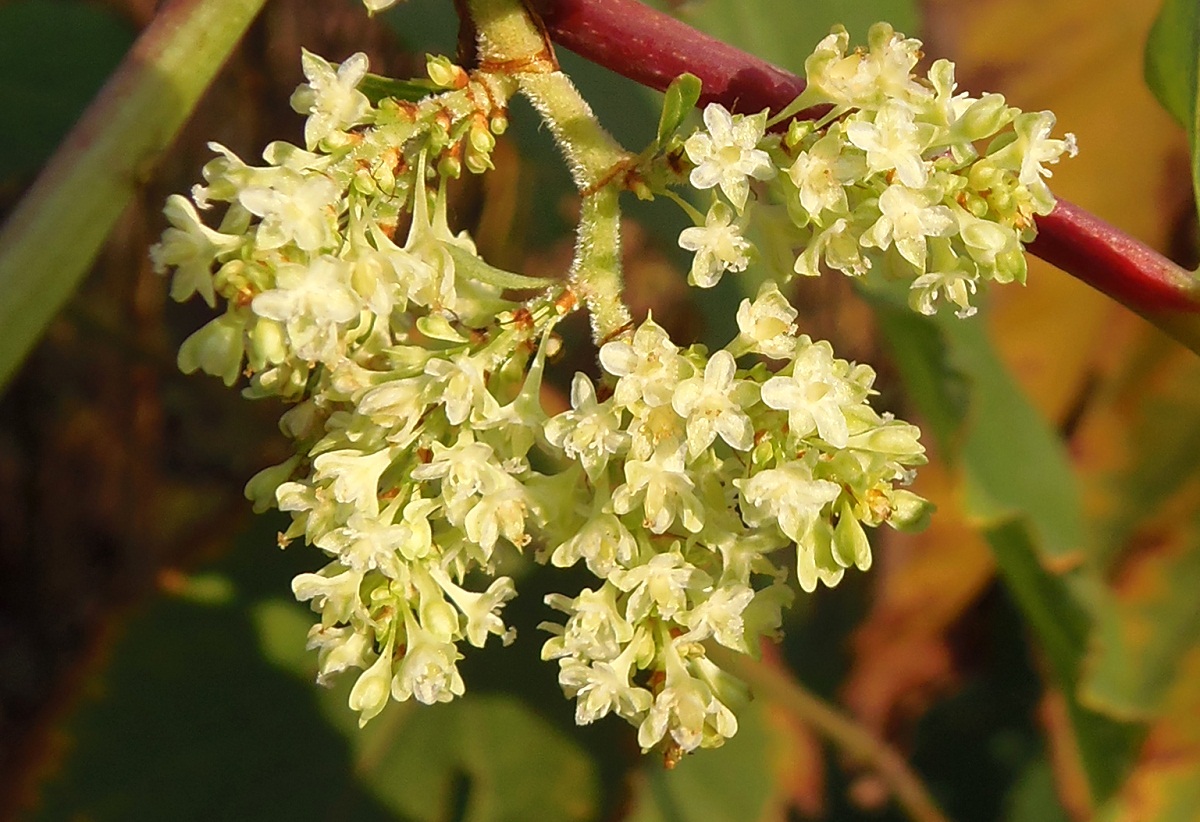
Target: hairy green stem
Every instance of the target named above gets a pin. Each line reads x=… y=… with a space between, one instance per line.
x=510 y=40
x=855 y=741
x=596 y=269
x=58 y=228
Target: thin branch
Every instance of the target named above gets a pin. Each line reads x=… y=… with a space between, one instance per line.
x=653 y=48
x=52 y=237
x=854 y=740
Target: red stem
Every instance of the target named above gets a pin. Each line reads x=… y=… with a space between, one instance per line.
x=653 y=48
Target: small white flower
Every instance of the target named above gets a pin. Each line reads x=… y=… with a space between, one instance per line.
x=464 y=390
x=334 y=595
x=822 y=173
x=355 y=476
x=866 y=79
x=311 y=301
x=603 y=687
x=337 y=650
x=190 y=247
x=499 y=512
x=907 y=217
x=955 y=286
x=664 y=489
x=596 y=628
x=768 y=323
x=331 y=100
x=713 y=404
x=813 y=396
x=649 y=366
x=428 y=671
x=662 y=583
x=787 y=495
x=687 y=709
x=602 y=542
x=299 y=211
x=720 y=617
x=718 y=245
x=894 y=141
x=481 y=610
x=728 y=154
x=590 y=432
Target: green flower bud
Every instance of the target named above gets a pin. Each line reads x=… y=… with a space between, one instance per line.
x=910 y=512
x=216 y=349
x=850 y=543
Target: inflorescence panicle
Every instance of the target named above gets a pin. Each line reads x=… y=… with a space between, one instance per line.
x=696 y=486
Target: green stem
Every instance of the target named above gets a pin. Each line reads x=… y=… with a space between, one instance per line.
x=514 y=42
x=855 y=741
x=58 y=228
x=596 y=269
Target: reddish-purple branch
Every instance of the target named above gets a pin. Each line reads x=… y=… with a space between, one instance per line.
x=653 y=48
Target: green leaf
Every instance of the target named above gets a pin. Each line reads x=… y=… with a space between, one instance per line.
x=727 y=784
x=785 y=32
x=476 y=268
x=1052 y=609
x=209 y=710
x=678 y=101
x=1149 y=615
x=54 y=56
x=1171 y=59
x=51 y=238
x=1020 y=488
x=377 y=87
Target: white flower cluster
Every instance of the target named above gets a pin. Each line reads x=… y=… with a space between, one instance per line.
x=703 y=476
x=690 y=484
x=900 y=175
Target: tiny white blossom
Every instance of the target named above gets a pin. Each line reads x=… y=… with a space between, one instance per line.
x=907 y=217
x=687 y=709
x=822 y=173
x=590 y=432
x=894 y=141
x=596 y=628
x=727 y=154
x=662 y=583
x=428 y=671
x=311 y=301
x=718 y=246
x=813 y=395
x=189 y=247
x=649 y=366
x=331 y=99
x=787 y=495
x=768 y=323
x=300 y=212
x=604 y=686
x=662 y=486
x=714 y=404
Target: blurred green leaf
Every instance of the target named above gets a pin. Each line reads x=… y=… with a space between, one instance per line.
x=1019 y=487
x=1148 y=616
x=1171 y=58
x=678 y=101
x=732 y=783
x=1034 y=797
x=208 y=710
x=785 y=32
x=54 y=55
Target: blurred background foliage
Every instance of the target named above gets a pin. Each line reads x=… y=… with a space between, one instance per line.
x=1035 y=653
